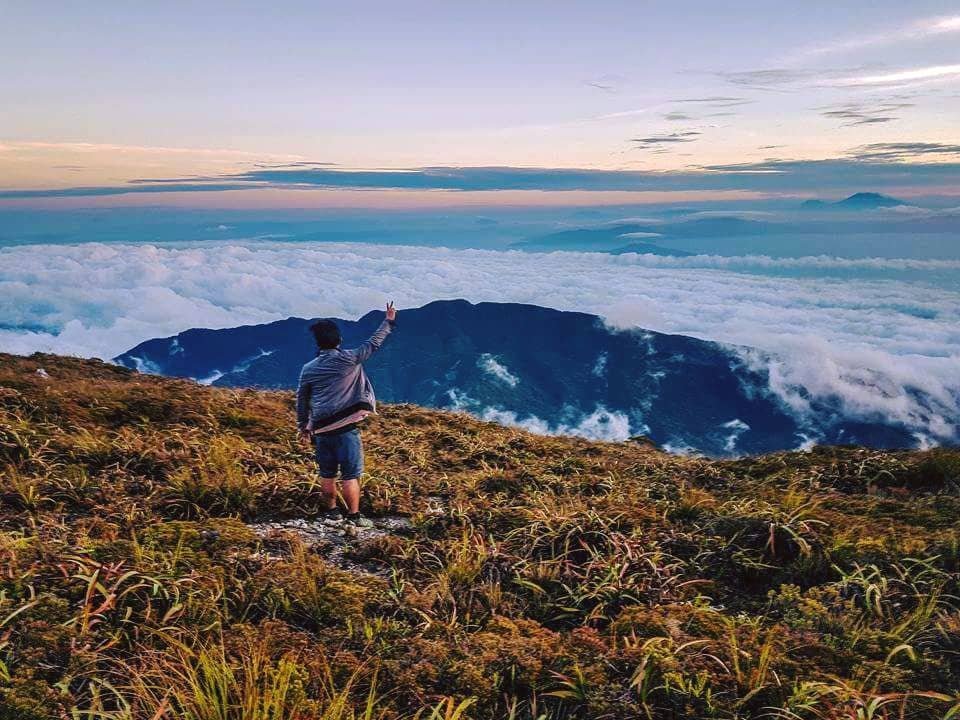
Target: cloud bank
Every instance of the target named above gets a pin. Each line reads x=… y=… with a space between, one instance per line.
x=875 y=345
x=869 y=167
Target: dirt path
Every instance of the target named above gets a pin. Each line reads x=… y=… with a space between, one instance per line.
x=331 y=541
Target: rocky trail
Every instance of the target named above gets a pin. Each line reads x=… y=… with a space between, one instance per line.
x=336 y=542
x=333 y=541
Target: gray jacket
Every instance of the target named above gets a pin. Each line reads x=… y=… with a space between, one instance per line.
x=333 y=385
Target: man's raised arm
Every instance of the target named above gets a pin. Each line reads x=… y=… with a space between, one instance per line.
x=362 y=353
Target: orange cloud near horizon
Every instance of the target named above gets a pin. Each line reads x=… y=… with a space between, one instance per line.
x=320 y=198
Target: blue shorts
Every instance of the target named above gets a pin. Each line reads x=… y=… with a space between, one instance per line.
x=343 y=452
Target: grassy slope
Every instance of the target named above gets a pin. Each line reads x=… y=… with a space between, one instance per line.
x=565 y=579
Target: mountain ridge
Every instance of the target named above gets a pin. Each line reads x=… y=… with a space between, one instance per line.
x=612 y=236
x=556 y=371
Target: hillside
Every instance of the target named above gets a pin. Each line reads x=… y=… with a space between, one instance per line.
x=537 y=367
x=511 y=575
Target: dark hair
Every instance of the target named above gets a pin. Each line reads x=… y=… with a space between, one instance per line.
x=326 y=333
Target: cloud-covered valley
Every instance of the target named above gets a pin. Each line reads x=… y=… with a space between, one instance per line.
x=863 y=333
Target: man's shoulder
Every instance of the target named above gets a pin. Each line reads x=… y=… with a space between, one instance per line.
x=326 y=359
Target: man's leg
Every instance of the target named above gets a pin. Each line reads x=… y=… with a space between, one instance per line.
x=326 y=457
x=350 y=456
x=329 y=488
x=351 y=495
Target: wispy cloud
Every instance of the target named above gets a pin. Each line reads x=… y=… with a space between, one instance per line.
x=721 y=101
x=87 y=147
x=171 y=186
x=640 y=235
x=864 y=114
x=653 y=141
x=609 y=83
x=921 y=29
x=768 y=78
x=903 y=77
x=493 y=367
x=792 y=79
x=789 y=79
x=622 y=114
x=305 y=163
x=902 y=151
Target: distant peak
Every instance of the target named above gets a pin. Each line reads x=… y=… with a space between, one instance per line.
x=859 y=200
x=871 y=197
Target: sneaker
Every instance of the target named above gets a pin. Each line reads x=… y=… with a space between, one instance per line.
x=333 y=516
x=358 y=520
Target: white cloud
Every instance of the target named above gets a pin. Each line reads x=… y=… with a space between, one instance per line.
x=678 y=447
x=640 y=235
x=737 y=214
x=601 y=424
x=460 y=400
x=918 y=30
x=493 y=367
x=912 y=211
x=810 y=262
x=530 y=423
x=633 y=221
x=901 y=77
x=216 y=374
x=945 y=24
x=737 y=427
x=600 y=366
x=623 y=114
x=876 y=337
x=866 y=383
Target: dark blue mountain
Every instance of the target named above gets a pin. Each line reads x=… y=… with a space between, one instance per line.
x=547 y=369
x=612 y=237
x=857 y=201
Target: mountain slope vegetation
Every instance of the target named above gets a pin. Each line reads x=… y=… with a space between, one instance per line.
x=537 y=577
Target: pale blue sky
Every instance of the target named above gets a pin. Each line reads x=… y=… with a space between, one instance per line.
x=97 y=94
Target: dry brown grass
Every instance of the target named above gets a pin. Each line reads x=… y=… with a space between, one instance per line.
x=563 y=578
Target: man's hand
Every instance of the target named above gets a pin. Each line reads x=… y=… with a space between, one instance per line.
x=304 y=437
x=391 y=312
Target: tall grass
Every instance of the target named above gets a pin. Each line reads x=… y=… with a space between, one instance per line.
x=540 y=578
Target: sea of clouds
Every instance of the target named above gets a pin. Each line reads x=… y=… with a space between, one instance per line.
x=869 y=334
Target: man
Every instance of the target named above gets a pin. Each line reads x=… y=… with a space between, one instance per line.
x=333 y=398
